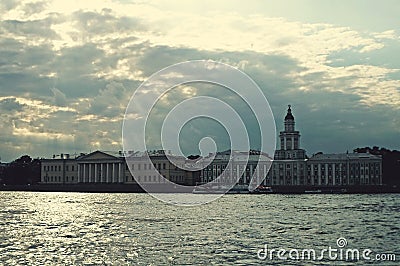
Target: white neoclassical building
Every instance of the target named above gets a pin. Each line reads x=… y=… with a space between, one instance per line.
x=59 y=170
x=111 y=167
x=237 y=165
x=291 y=166
x=344 y=169
x=101 y=167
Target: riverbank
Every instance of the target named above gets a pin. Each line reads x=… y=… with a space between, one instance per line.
x=134 y=188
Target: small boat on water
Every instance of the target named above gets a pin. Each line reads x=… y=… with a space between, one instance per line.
x=326 y=191
x=316 y=191
x=262 y=190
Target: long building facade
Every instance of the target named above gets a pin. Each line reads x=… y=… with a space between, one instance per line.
x=289 y=166
x=242 y=167
x=292 y=167
x=109 y=167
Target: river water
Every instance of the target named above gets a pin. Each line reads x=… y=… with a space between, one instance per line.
x=136 y=229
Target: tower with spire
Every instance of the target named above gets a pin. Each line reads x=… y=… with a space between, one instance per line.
x=289 y=140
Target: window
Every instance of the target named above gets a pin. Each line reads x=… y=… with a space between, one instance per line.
x=164 y=166
x=72 y=168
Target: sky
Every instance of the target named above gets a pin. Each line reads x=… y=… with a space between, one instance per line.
x=69 y=68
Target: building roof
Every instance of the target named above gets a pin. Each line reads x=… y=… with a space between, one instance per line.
x=343 y=156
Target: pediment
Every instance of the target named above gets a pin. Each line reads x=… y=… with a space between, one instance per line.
x=98 y=155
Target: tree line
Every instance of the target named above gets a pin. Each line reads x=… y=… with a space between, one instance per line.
x=21 y=171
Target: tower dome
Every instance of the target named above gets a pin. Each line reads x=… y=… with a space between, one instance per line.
x=289 y=115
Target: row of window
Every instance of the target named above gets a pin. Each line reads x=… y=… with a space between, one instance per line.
x=57 y=168
x=308 y=181
x=159 y=166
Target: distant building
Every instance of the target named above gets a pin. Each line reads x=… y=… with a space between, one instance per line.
x=240 y=162
x=111 y=167
x=102 y=167
x=289 y=167
x=344 y=169
x=60 y=170
x=289 y=164
x=161 y=168
x=292 y=167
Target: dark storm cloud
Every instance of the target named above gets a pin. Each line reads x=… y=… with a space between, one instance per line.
x=31 y=28
x=10 y=105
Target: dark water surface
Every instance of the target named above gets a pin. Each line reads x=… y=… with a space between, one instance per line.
x=136 y=229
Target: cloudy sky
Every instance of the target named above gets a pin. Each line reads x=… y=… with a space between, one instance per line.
x=69 y=68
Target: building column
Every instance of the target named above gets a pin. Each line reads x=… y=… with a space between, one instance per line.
x=90 y=173
x=333 y=174
x=231 y=172
x=311 y=174
x=79 y=172
x=292 y=142
x=84 y=173
x=107 y=174
x=113 y=173
x=102 y=173
x=326 y=174
x=95 y=173
x=121 y=174
x=319 y=174
x=237 y=173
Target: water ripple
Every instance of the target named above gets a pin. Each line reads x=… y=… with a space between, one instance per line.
x=135 y=229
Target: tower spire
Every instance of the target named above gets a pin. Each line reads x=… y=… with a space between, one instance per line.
x=289 y=115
